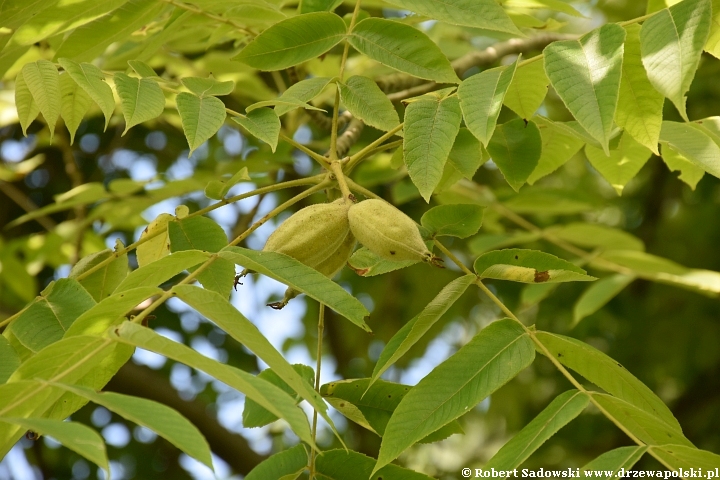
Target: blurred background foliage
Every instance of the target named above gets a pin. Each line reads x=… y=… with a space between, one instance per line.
x=667 y=337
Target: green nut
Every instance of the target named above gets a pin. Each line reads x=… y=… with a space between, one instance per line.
x=337 y=260
x=387 y=232
x=313 y=233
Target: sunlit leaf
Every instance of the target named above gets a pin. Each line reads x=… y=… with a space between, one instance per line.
x=491 y=359
x=481 y=97
x=43 y=81
x=672 y=41
x=403 y=48
x=527 y=90
x=262 y=123
x=485 y=14
x=92 y=80
x=201 y=117
x=431 y=125
x=598 y=294
x=622 y=164
x=294 y=41
x=639 y=109
x=561 y=411
x=302 y=279
x=614 y=460
x=586 y=75
x=607 y=374
x=364 y=99
x=528 y=266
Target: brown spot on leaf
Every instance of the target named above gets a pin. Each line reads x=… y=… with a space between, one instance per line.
x=360 y=271
x=541 y=277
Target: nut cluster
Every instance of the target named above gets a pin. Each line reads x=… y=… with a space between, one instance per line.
x=324 y=235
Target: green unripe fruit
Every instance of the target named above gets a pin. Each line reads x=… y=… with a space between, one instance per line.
x=387 y=232
x=337 y=260
x=313 y=233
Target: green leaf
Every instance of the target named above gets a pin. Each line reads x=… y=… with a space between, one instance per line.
x=202 y=233
x=457 y=220
x=640 y=106
x=515 y=148
x=689 y=172
x=349 y=465
x=308 y=6
x=364 y=99
x=141 y=99
x=488 y=241
x=227 y=317
x=528 y=266
x=607 y=374
x=693 y=143
x=481 y=97
x=289 y=103
x=527 y=90
x=70 y=358
x=611 y=462
x=289 y=462
x=26 y=107
x=255 y=415
x=158 y=246
x=586 y=75
x=294 y=41
x=646 y=427
x=162 y=270
x=13 y=13
x=371 y=405
x=82 y=440
x=557 y=148
x=550 y=202
x=9 y=359
x=414 y=330
x=217 y=189
x=207 y=87
x=594 y=235
x=43 y=81
x=712 y=46
x=687 y=457
x=561 y=411
x=142 y=68
x=50 y=315
x=301 y=278
x=111 y=311
x=61 y=18
x=92 y=80
x=163 y=420
x=201 y=117
x=89 y=41
x=262 y=123
x=431 y=125
x=103 y=282
x=598 y=294
x=485 y=14
x=622 y=164
x=403 y=48
x=662 y=270
x=672 y=41
x=304 y=91
x=367 y=264
x=74 y=104
x=265 y=393
x=491 y=359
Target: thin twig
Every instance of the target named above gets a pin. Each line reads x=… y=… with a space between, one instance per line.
x=318 y=366
x=17 y=196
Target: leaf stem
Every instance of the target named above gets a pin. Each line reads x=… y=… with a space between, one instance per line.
x=337 y=172
x=314 y=155
x=212 y=16
x=364 y=152
x=318 y=366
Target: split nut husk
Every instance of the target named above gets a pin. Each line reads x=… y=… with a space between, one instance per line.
x=388 y=232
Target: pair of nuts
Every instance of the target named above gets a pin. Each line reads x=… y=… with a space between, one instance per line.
x=323 y=236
